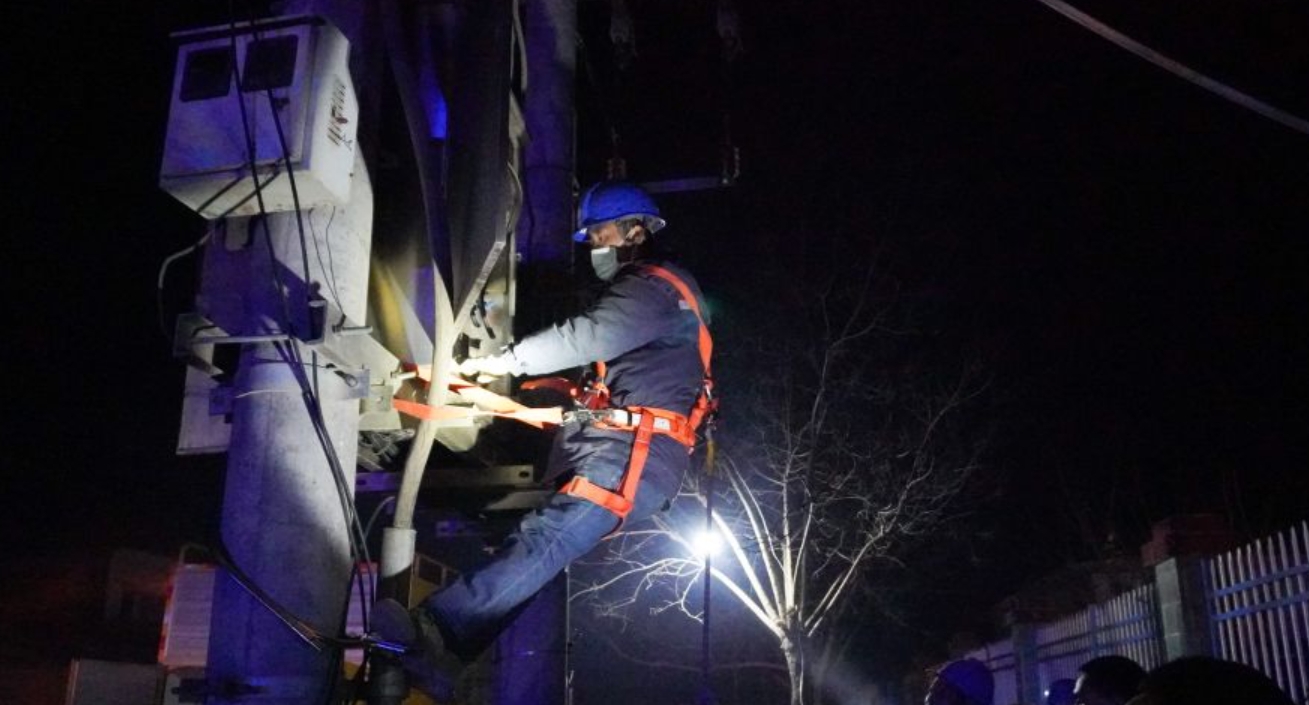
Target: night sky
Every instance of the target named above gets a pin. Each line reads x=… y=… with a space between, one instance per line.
x=1126 y=249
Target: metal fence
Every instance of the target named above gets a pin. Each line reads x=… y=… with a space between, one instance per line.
x=1259 y=607
x=1256 y=600
x=1127 y=625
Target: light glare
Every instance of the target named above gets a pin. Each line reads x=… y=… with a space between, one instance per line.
x=707 y=543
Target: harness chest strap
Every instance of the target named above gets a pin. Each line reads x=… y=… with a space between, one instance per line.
x=706 y=343
x=703 y=404
x=599 y=392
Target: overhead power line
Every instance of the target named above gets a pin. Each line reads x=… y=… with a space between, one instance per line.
x=1177 y=68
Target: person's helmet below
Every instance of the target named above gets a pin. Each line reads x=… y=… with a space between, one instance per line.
x=614 y=200
x=971 y=678
x=1060 y=692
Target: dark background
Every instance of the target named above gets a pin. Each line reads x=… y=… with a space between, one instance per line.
x=1126 y=249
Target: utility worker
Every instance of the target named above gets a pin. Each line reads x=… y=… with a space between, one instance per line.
x=620 y=461
x=963 y=682
x=1108 y=680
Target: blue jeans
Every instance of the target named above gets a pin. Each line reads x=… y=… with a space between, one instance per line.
x=472 y=610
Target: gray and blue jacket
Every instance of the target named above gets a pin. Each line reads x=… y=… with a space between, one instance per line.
x=641 y=328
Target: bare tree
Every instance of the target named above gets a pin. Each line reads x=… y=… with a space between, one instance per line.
x=846 y=448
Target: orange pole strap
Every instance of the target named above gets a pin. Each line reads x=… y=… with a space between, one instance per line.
x=488 y=403
x=552 y=416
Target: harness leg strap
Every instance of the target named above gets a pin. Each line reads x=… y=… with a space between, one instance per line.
x=620 y=503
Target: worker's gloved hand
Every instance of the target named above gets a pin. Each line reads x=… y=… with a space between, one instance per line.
x=490 y=366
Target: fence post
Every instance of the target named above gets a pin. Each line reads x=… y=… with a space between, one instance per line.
x=1183 y=607
x=1027 y=664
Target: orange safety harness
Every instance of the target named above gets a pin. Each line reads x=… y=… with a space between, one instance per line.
x=645 y=421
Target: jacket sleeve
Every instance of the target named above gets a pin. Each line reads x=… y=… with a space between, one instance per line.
x=634 y=311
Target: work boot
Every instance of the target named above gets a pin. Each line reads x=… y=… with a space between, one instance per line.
x=431 y=667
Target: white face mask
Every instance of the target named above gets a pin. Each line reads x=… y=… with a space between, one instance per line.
x=604 y=260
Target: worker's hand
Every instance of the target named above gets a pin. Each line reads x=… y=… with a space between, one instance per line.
x=491 y=366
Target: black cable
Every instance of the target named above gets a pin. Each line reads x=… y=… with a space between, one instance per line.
x=351 y=513
x=306 y=631
x=354 y=530
x=295 y=196
x=334 y=669
x=246 y=198
x=245 y=122
x=290 y=352
x=218 y=194
x=313 y=399
x=302 y=629
x=335 y=463
x=254 y=171
x=309 y=388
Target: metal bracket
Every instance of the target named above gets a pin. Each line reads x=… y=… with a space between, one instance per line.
x=193 y=329
x=362 y=362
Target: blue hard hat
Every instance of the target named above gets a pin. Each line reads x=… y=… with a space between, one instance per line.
x=972 y=679
x=612 y=200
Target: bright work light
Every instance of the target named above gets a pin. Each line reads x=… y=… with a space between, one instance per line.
x=707 y=543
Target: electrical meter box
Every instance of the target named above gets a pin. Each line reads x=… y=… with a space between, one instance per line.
x=251 y=99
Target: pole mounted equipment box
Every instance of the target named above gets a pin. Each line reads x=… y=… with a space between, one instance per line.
x=279 y=88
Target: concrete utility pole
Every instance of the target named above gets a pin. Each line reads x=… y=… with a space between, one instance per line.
x=283 y=525
x=270 y=284
x=301 y=376
x=283 y=519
